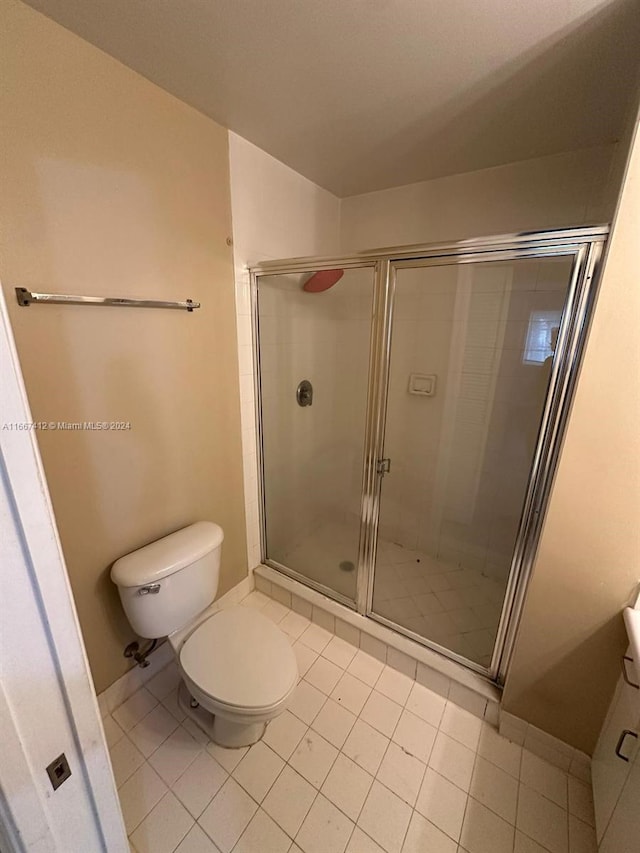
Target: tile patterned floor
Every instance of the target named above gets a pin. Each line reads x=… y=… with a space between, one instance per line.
x=455 y=607
x=458 y=608
x=364 y=761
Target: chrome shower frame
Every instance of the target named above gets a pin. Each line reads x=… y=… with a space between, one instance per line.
x=586 y=246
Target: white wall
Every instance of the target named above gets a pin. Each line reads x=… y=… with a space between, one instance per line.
x=549 y=192
x=276 y=214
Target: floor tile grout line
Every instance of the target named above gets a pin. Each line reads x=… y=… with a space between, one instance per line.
x=231 y=776
x=166 y=794
x=155 y=804
x=190 y=828
x=390 y=738
x=548 y=799
x=566 y=782
x=517 y=801
x=170 y=787
x=319 y=790
x=466 y=803
x=299 y=830
x=355 y=826
x=539 y=843
x=248 y=822
x=260 y=808
x=205 y=750
x=374 y=779
x=286 y=764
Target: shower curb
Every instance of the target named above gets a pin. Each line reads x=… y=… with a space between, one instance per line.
x=464 y=688
x=450 y=680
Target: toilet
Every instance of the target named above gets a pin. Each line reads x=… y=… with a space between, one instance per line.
x=238 y=668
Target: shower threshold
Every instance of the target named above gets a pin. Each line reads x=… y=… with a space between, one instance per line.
x=446 y=677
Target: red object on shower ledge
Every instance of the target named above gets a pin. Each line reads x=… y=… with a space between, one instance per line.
x=322 y=280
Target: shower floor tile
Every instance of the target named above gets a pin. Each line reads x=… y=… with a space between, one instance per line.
x=405 y=771
x=454 y=606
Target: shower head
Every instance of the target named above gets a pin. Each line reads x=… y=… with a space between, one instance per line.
x=322 y=280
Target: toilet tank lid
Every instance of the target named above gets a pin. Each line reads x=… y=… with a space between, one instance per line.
x=167 y=555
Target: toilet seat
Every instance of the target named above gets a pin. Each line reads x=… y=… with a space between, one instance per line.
x=241 y=661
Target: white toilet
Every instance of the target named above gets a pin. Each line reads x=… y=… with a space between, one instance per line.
x=238 y=668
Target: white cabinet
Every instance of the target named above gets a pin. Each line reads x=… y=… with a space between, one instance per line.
x=616 y=782
x=623 y=833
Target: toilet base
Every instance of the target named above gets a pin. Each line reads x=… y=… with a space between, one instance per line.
x=235 y=735
x=218 y=729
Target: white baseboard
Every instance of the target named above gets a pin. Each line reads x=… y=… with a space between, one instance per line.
x=546 y=746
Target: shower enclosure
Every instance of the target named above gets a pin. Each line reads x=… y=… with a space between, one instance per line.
x=411 y=403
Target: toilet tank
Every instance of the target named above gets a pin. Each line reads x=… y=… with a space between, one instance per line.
x=164 y=585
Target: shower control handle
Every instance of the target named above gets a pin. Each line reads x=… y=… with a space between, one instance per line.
x=304 y=393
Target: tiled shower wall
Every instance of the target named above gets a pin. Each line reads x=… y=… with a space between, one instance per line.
x=420 y=344
x=315 y=451
x=461 y=459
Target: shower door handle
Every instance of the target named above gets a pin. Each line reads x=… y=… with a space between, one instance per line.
x=383 y=466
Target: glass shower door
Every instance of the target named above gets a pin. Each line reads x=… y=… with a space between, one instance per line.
x=471 y=351
x=313 y=348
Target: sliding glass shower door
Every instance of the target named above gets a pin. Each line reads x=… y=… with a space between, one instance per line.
x=410 y=410
x=471 y=353
x=313 y=346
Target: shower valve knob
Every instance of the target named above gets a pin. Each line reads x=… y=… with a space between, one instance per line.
x=304 y=393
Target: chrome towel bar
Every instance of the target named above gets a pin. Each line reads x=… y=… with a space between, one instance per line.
x=26 y=298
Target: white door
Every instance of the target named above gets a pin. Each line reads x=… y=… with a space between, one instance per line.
x=47 y=702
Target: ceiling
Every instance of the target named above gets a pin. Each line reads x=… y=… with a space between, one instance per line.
x=359 y=95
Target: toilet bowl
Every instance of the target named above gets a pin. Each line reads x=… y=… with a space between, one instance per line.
x=243 y=688
x=238 y=668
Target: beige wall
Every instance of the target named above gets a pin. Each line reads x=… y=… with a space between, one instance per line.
x=110 y=186
x=568 y=189
x=567 y=657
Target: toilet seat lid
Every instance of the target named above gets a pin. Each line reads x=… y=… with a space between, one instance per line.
x=240 y=658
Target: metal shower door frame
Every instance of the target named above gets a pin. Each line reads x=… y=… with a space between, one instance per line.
x=301 y=265
x=586 y=246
